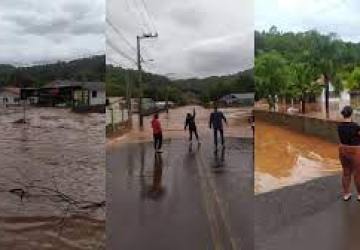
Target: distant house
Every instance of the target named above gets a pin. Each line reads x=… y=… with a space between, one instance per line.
x=9 y=96
x=243 y=99
x=97 y=93
x=148 y=105
x=162 y=104
x=80 y=93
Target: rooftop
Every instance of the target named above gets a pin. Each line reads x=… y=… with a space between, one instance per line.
x=100 y=86
x=10 y=91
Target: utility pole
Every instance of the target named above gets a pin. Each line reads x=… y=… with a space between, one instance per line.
x=167 y=92
x=327 y=96
x=138 y=39
x=128 y=97
x=167 y=98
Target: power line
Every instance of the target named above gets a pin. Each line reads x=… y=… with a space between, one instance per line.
x=130 y=7
x=117 y=31
x=116 y=49
x=142 y=17
x=148 y=15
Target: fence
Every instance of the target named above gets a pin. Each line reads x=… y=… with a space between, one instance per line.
x=117 y=117
x=325 y=129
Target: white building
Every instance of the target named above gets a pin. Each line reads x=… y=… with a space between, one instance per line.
x=9 y=96
x=337 y=102
x=90 y=93
x=97 y=93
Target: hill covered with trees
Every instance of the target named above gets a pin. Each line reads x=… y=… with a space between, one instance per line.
x=180 y=91
x=84 y=69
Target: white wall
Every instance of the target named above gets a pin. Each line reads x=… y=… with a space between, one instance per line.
x=11 y=99
x=100 y=99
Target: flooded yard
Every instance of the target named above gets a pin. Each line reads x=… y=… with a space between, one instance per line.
x=52 y=182
x=284 y=157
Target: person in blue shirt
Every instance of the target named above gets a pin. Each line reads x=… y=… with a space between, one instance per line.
x=216 y=123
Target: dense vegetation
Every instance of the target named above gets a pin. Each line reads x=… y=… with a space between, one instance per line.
x=180 y=91
x=85 y=69
x=289 y=65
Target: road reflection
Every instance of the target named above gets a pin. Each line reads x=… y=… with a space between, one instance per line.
x=219 y=158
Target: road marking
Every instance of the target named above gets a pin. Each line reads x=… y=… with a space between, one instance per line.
x=210 y=196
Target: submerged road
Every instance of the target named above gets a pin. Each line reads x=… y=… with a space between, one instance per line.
x=186 y=198
x=307 y=216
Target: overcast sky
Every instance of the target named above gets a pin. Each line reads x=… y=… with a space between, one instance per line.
x=33 y=32
x=339 y=16
x=196 y=37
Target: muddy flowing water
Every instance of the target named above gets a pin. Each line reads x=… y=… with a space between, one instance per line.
x=52 y=181
x=284 y=157
x=173 y=124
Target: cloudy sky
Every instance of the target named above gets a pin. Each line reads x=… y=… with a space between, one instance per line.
x=196 y=37
x=34 y=32
x=339 y=16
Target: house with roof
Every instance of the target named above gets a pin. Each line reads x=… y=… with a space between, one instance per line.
x=80 y=93
x=9 y=96
x=68 y=93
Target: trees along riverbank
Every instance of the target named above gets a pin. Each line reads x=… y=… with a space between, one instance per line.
x=297 y=66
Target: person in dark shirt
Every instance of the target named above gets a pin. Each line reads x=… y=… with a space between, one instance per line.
x=349 y=153
x=216 y=123
x=349 y=131
x=190 y=122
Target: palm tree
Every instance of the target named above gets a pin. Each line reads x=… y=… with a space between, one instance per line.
x=304 y=86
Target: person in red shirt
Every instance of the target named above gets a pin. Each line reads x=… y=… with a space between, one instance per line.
x=157 y=133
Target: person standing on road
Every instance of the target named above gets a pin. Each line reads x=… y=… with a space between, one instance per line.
x=157 y=133
x=349 y=152
x=216 y=123
x=190 y=122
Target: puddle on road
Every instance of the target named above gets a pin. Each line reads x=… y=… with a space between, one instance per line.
x=54 y=167
x=284 y=157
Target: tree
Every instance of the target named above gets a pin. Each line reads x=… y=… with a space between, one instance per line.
x=304 y=84
x=271 y=77
x=325 y=54
x=353 y=82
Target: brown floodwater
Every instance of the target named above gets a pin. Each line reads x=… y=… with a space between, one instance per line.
x=52 y=181
x=173 y=124
x=285 y=157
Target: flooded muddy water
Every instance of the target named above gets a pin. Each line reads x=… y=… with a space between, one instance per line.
x=284 y=157
x=52 y=181
x=173 y=124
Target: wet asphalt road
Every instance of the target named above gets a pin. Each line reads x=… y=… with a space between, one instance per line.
x=182 y=199
x=307 y=216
